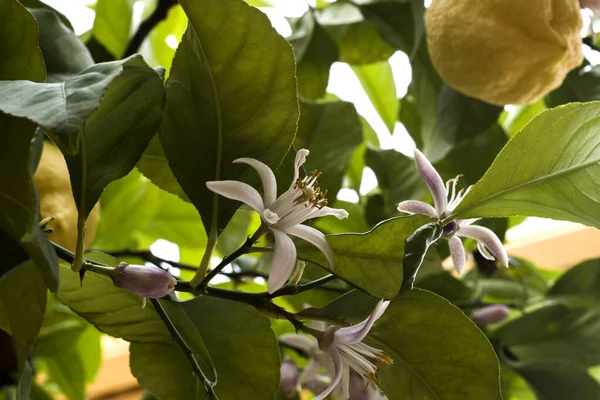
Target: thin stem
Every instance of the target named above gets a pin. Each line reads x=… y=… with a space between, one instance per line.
x=160 y=13
x=147 y=255
x=296 y=289
x=189 y=353
x=81 y=209
x=229 y=259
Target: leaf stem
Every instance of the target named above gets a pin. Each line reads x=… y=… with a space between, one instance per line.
x=160 y=12
x=189 y=353
x=297 y=289
x=81 y=207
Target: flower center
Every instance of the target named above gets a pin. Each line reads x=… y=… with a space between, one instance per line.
x=450 y=229
x=311 y=192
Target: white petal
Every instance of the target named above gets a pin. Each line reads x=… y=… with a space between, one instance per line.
x=310 y=371
x=304 y=343
x=300 y=160
x=488 y=239
x=339 y=213
x=266 y=176
x=416 y=207
x=484 y=252
x=433 y=180
x=458 y=254
x=346 y=381
x=270 y=217
x=316 y=238
x=239 y=191
x=356 y=333
x=338 y=368
x=284 y=260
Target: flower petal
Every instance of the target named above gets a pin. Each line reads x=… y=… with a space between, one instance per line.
x=316 y=238
x=239 y=191
x=284 y=260
x=346 y=381
x=305 y=343
x=416 y=207
x=339 y=213
x=309 y=372
x=356 y=333
x=434 y=182
x=267 y=178
x=484 y=252
x=458 y=254
x=300 y=160
x=339 y=370
x=488 y=239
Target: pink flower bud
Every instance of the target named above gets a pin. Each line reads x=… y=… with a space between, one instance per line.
x=145 y=281
x=489 y=315
x=289 y=378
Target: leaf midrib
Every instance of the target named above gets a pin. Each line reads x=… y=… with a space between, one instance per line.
x=528 y=183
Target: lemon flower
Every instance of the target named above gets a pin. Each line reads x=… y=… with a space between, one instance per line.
x=446 y=199
x=346 y=349
x=284 y=215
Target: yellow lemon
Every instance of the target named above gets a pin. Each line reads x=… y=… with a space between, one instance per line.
x=56 y=199
x=504 y=51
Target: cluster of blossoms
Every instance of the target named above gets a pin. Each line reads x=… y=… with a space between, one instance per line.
x=339 y=349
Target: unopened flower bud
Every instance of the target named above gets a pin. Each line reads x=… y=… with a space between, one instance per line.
x=490 y=315
x=145 y=281
x=289 y=378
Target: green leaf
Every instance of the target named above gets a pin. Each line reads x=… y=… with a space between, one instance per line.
x=60 y=329
x=20 y=57
x=240 y=342
x=555 y=332
x=66 y=369
x=581 y=84
x=547 y=170
x=154 y=165
x=38 y=4
x=557 y=380
x=438 y=352
x=112 y=24
x=63 y=108
x=331 y=131
x=231 y=94
x=161 y=52
x=417 y=246
x=22 y=306
x=20 y=152
x=516 y=119
x=378 y=82
x=315 y=51
x=119 y=313
x=64 y=54
x=117 y=133
x=135 y=213
x=381 y=249
x=396 y=175
x=580 y=285
x=461 y=118
x=447 y=286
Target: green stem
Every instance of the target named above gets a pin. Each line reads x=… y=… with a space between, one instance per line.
x=207 y=256
x=297 y=289
x=228 y=260
x=81 y=214
x=88 y=265
x=189 y=353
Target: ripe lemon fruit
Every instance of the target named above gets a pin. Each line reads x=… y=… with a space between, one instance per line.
x=504 y=51
x=56 y=199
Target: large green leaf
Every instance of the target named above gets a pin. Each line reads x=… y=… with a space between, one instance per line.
x=370 y=261
x=231 y=93
x=22 y=306
x=117 y=133
x=378 y=82
x=315 y=51
x=161 y=52
x=580 y=285
x=331 y=131
x=64 y=54
x=417 y=246
x=240 y=342
x=438 y=352
x=549 y=169
x=581 y=84
x=557 y=380
x=112 y=24
x=556 y=332
x=20 y=57
x=63 y=108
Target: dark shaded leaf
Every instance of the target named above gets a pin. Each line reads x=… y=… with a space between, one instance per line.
x=417 y=245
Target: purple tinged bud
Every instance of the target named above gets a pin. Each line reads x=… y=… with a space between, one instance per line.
x=145 y=281
x=288 y=378
x=490 y=315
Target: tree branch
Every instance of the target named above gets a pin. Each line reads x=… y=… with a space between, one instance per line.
x=297 y=289
x=160 y=13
